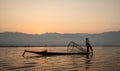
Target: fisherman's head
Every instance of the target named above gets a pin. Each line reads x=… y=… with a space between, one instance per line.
x=86 y=38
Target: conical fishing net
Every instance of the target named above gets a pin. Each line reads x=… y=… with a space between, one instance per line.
x=74 y=48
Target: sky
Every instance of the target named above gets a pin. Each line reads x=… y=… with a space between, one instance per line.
x=61 y=16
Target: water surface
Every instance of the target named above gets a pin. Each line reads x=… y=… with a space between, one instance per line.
x=104 y=59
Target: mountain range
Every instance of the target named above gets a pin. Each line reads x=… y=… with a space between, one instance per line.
x=57 y=39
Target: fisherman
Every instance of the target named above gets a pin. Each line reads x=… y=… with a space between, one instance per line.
x=88 y=45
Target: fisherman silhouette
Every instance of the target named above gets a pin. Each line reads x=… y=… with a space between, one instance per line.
x=88 y=45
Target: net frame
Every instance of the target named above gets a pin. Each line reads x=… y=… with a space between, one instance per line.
x=74 y=47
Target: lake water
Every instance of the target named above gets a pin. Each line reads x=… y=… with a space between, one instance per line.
x=104 y=59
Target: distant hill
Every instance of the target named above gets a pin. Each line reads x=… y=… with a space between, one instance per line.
x=22 y=39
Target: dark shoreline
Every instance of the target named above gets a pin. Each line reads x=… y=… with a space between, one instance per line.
x=64 y=46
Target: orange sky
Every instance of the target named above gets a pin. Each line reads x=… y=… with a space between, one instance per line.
x=62 y=16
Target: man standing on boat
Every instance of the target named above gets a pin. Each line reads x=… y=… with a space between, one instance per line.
x=88 y=45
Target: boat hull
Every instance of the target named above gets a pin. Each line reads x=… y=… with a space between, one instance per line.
x=45 y=53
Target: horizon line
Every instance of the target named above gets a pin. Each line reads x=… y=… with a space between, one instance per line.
x=57 y=32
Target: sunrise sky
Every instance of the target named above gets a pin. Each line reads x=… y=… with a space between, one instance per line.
x=62 y=16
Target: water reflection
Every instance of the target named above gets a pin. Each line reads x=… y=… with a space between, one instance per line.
x=63 y=62
x=88 y=62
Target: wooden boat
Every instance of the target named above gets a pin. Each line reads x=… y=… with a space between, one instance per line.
x=45 y=53
x=73 y=44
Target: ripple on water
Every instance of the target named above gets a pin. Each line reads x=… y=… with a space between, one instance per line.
x=30 y=62
x=20 y=67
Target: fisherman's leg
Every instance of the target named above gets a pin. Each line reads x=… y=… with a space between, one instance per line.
x=91 y=48
x=87 y=49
